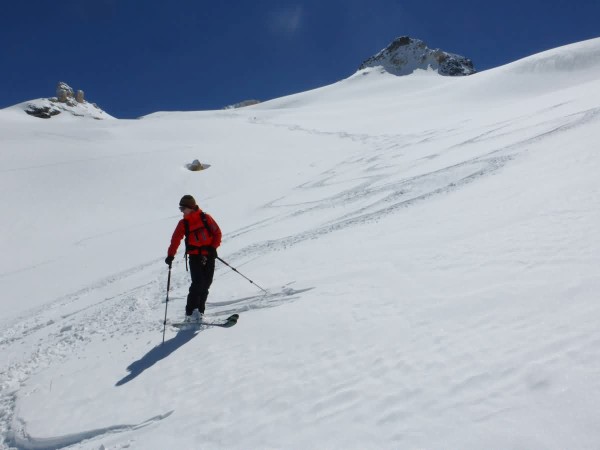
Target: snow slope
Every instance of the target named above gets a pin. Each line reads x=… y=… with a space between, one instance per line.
x=429 y=245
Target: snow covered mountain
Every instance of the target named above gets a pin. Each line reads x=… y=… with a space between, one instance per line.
x=66 y=101
x=429 y=245
x=404 y=55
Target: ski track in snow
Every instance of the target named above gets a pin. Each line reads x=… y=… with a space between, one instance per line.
x=66 y=335
x=378 y=186
x=357 y=191
x=24 y=441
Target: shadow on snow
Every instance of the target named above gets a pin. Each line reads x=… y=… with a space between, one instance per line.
x=158 y=353
x=221 y=310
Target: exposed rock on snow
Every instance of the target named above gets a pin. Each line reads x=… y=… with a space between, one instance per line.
x=64 y=93
x=242 y=104
x=196 y=166
x=405 y=55
x=43 y=111
x=65 y=101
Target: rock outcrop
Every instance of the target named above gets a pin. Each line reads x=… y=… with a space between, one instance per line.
x=64 y=94
x=197 y=166
x=405 y=55
x=65 y=101
x=242 y=104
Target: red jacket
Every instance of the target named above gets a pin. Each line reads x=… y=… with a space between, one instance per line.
x=198 y=236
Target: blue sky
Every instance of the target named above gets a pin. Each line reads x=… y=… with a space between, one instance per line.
x=138 y=57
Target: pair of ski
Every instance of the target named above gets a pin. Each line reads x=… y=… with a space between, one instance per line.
x=227 y=323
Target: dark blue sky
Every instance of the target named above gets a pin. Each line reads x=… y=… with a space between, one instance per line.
x=138 y=57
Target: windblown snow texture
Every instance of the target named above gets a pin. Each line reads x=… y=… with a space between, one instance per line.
x=429 y=245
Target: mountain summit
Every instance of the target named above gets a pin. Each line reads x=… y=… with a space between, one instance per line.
x=405 y=55
x=66 y=101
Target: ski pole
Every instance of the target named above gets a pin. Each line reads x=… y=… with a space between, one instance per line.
x=237 y=271
x=167 y=303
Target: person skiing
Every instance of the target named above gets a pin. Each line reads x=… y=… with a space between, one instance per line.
x=202 y=238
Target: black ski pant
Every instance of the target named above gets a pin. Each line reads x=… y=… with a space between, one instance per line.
x=202 y=269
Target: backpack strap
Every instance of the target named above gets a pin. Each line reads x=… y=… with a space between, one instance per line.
x=205 y=222
x=186 y=226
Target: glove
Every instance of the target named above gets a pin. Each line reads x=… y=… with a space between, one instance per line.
x=212 y=252
x=169 y=260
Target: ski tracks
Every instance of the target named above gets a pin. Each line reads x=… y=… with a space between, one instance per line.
x=397 y=171
x=66 y=327
x=361 y=189
x=271 y=299
x=63 y=330
x=21 y=439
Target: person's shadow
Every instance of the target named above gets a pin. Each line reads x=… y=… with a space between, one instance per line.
x=156 y=354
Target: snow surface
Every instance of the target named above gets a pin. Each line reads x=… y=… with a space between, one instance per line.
x=429 y=245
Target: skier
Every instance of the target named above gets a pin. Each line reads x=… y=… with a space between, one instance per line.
x=202 y=238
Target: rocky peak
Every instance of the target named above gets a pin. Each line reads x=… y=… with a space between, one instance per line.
x=405 y=55
x=65 y=94
x=66 y=100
